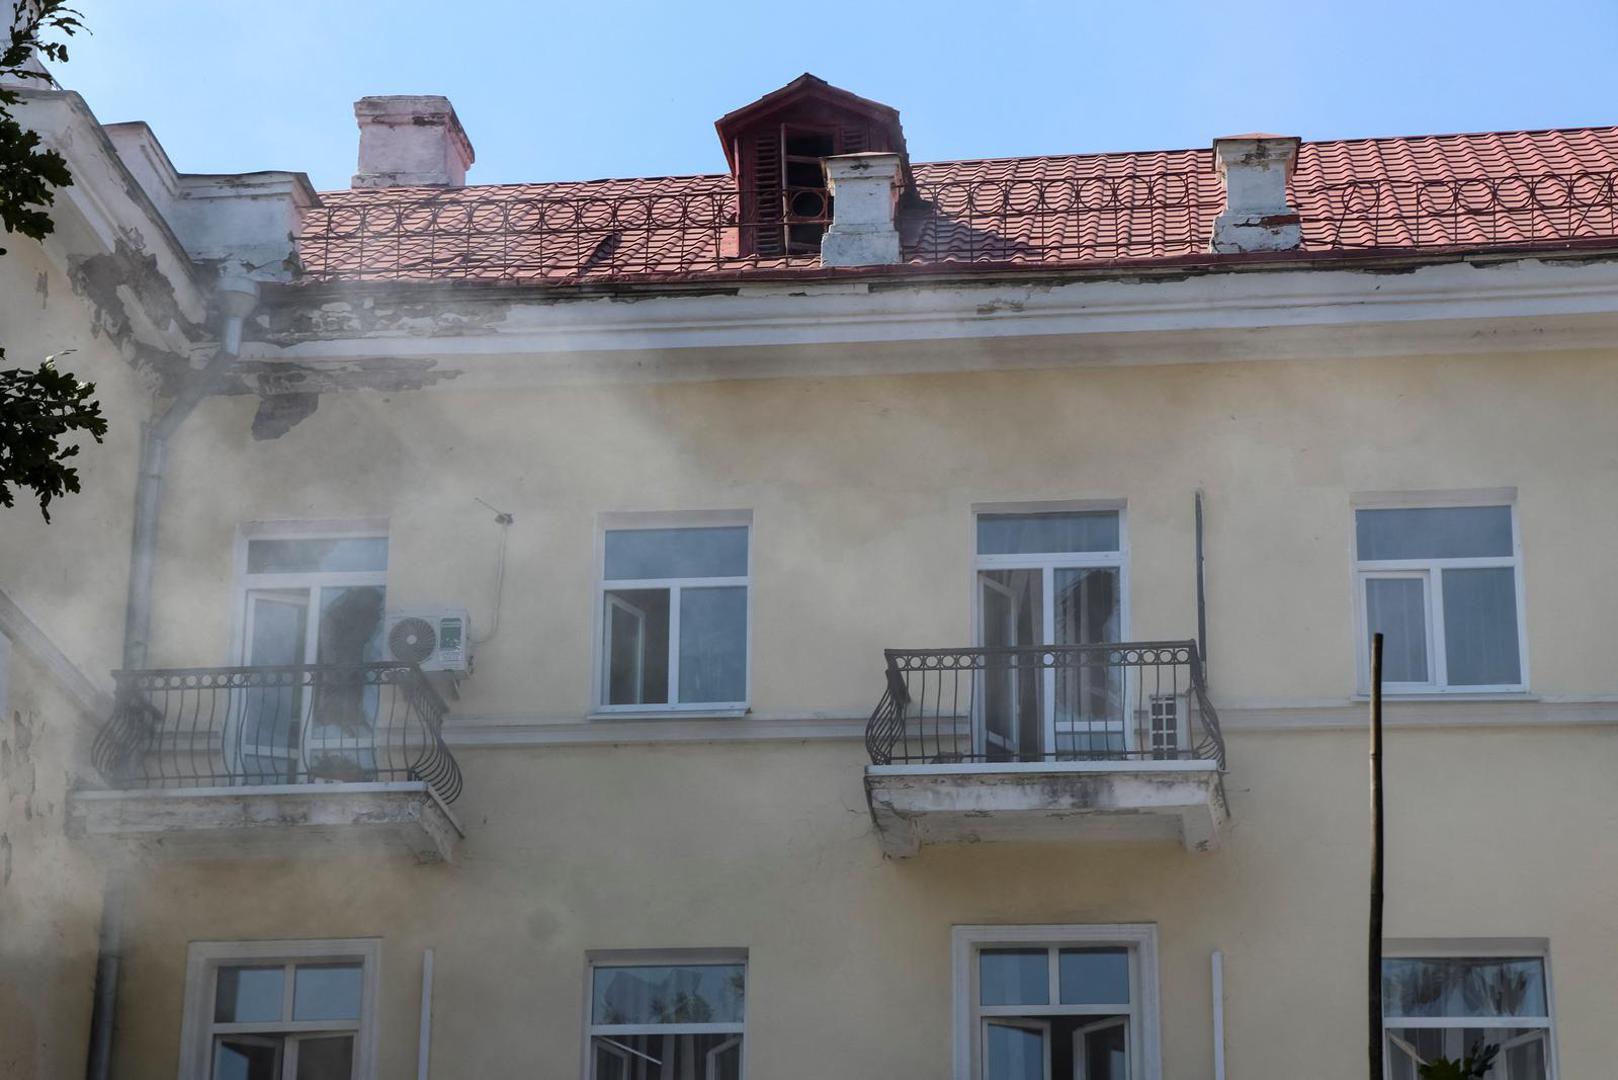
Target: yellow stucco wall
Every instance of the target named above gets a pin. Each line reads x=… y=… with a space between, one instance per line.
x=769 y=848
x=70 y=574
x=862 y=490
x=68 y=578
x=50 y=887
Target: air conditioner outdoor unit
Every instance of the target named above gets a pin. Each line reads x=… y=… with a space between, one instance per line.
x=434 y=639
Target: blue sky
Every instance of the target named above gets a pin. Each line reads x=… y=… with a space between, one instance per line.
x=588 y=88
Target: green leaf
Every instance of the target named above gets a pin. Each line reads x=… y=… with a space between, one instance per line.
x=39 y=409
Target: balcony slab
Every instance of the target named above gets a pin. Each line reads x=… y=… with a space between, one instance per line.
x=1077 y=801
x=271 y=821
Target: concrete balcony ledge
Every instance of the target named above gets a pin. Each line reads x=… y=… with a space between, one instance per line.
x=403 y=817
x=1072 y=801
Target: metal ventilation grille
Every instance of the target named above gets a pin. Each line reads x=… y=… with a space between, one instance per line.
x=412 y=641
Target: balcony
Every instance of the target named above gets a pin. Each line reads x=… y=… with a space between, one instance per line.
x=1054 y=742
x=274 y=760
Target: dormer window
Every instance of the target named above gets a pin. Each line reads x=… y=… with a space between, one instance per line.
x=777 y=148
x=808 y=204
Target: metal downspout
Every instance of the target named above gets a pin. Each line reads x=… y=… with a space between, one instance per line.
x=236 y=295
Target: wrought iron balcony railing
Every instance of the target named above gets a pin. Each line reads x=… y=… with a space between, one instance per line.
x=255 y=726
x=1130 y=701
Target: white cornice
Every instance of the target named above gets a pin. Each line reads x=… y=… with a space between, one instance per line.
x=105 y=205
x=1516 y=711
x=487 y=337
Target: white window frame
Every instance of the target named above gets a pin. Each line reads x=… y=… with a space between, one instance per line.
x=246 y=583
x=608 y=958
x=1048 y=563
x=1430 y=573
x=1145 y=1048
x=633 y=520
x=1480 y=949
x=205 y=958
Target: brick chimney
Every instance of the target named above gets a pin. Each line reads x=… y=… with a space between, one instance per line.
x=411 y=140
x=1257 y=215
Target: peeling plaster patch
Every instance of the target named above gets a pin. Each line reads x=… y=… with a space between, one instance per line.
x=18 y=781
x=101 y=279
x=387 y=374
x=279 y=413
x=98 y=278
x=348 y=318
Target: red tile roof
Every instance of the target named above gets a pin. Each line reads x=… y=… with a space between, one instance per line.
x=1503 y=191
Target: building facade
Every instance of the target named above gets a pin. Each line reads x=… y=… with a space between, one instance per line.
x=839 y=617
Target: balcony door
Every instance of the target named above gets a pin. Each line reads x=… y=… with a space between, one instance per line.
x=1050 y=579
x=312 y=613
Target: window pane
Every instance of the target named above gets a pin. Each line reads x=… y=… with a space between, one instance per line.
x=1446 y=532
x=713 y=644
x=1106 y=1052
x=1526 y=1061
x=1480 y=627
x=326 y=992
x=688 y=994
x=1409 y=1048
x=247 y=1057
x=350 y=629
x=248 y=995
x=676 y=553
x=1463 y=987
x=1094 y=976
x=267 y=751
x=1021 y=534
x=1013 y=1052
x=326 y=1057
x=637 y=645
x=1014 y=977
x=1397 y=607
x=1089 y=691
x=1010 y=611
x=666 y=1057
x=328 y=555
x=350 y=633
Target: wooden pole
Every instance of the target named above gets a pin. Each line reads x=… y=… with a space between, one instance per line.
x=1374 y=968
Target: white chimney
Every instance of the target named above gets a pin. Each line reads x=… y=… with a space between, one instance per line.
x=1257 y=215
x=863 y=189
x=411 y=140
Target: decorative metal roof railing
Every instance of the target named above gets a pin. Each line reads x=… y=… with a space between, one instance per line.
x=690 y=227
x=1070 y=219
x=258 y=726
x=1130 y=701
x=1541 y=209
x=561 y=240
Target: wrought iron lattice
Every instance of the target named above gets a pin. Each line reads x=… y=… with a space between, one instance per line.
x=558 y=240
x=1480 y=211
x=1062 y=219
x=1131 y=701
x=695 y=225
x=253 y=726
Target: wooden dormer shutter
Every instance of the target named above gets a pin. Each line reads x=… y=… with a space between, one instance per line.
x=761 y=195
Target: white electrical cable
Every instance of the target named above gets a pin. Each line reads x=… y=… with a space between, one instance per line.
x=504 y=520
